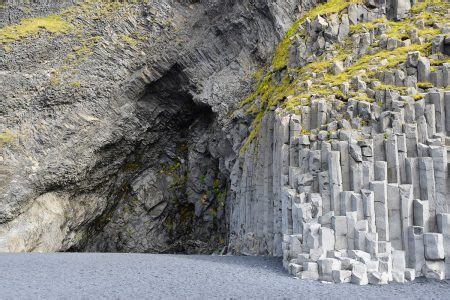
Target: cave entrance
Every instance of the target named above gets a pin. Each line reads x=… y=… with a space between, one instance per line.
x=170 y=195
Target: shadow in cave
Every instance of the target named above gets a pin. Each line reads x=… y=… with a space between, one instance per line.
x=136 y=220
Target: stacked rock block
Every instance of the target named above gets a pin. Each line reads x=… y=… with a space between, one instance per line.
x=353 y=186
x=367 y=209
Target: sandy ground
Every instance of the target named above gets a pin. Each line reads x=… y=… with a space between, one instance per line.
x=138 y=276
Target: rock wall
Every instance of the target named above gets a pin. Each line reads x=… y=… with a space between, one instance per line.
x=120 y=130
x=118 y=110
x=352 y=185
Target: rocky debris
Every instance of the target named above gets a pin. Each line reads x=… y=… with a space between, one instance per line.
x=381 y=172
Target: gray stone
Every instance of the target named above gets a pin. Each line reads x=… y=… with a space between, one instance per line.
x=310 y=271
x=342 y=276
x=416 y=248
x=326 y=268
x=335 y=180
x=377 y=278
x=421 y=214
x=423 y=69
x=326 y=239
x=368 y=201
x=359 y=274
x=339 y=225
x=401 y=8
x=410 y=274
x=381 y=211
x=434 y=270
x=434 y=246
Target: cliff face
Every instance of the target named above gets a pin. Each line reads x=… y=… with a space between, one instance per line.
x=345 y=170
x=114 y=120
x=313 y=131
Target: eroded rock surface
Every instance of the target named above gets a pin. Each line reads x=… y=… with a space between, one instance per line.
x=114 y=133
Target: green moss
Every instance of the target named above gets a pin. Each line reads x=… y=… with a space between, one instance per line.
x=75 y=84
x=7 y=48
x=393 y=58
x=129 y=40
x=390 y=87
x=305 y=132
x=254 y=133
x=439 y=62
x=424 y=85
x=6 y=138
x=28 y=27
x=418 y=97
x=365 y=27
x=363 y=97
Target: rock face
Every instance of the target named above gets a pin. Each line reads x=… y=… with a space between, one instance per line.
x=122 y=129
x=114 y=133
x=345 y=172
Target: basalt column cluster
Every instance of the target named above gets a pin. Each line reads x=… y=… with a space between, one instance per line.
x=354 y=186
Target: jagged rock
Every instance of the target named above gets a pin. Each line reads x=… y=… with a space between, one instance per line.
x=413 y=58
x=358 y=84
x=353 y=14
x=344 y=27
x=128 y=169
x=337 y=68
x=410 y=274
x=342 y=276
x=377 y=277
x=326 y=268
x=391 y=44
x=434 y=270
x=359 y=274
x=310 y=270
x=294 y=269
x=423 y=69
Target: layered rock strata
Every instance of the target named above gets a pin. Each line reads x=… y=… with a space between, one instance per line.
x=113 y=119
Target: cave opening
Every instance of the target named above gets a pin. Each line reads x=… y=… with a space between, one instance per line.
x=170 y=193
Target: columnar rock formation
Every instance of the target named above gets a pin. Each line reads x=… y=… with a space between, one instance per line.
x=120 y=131
x=348 y=178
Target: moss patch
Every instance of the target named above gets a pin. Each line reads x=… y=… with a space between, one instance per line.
x=53 y=24
x=129 y=40
x=6 y=138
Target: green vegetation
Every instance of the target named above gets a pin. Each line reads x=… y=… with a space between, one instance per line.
x=282 y=52
x=75 y=84
x=424 y=85
x=284 y=86
x=6 y=138
x=53 y=24
x=129 y=40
